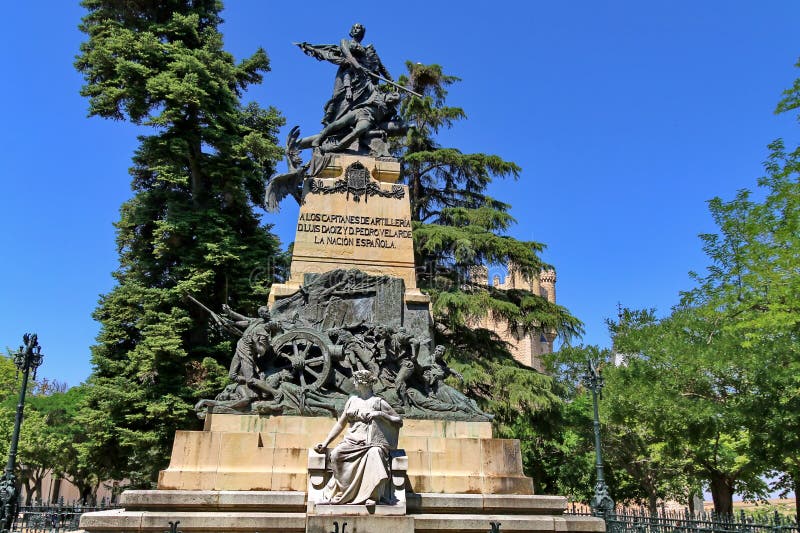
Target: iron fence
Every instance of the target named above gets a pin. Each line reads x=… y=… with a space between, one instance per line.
x=51 y=518
x=636 y=520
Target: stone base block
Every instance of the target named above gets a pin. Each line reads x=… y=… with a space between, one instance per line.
x=315 y=426
x=150 y=511
x=361 y=222
x=241 y=452
x=428 y=523
x=118 y=521
x=328 y=509
x=213 y=500
x=432 y=503
x=359 y=524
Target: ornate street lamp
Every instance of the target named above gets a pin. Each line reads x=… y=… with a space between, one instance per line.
x=27 y=358
x=602 y=504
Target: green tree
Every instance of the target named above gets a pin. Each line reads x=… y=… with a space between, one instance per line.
x=189 y=228
x=751 y=292
x=68 y=460
x=634 y=446
x=565 y=455
x=39 y=446
x=458 y=229
x=43 y=444
x=695 y=400
x=750 y=300
x=637 y=464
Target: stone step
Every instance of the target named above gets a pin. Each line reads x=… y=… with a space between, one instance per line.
x=119 y=520
x=432 y=503
x=213 y=500
x=424 y=523
x=295 y=501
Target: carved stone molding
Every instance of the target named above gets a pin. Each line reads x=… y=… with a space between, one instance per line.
x=357 y=182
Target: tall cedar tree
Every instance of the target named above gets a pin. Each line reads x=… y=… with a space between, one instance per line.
x=459 y=228
x=189 y=228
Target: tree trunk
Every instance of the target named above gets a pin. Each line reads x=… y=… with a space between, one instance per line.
x=37 y=487
x=28 y=491
x=198 y=186
x=57 y=480
x=722 y=493
x=652 y=503
x=86 y=493
x=796 y=480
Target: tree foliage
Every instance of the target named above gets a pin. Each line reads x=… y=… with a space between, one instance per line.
x=708 y=395
x=49 y=428
x=751 y=295
x=189 y=228
x=694 y=405
x=638 y=467
x=721 y=370
x=460 y=228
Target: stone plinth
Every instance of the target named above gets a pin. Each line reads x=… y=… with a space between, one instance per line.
x=247 y=452
x=150 y=511
x=353 y=215
x=359 y=523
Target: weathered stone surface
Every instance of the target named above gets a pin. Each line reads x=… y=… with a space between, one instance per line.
x=286 y=511
x=578 y=523
x=326 y=509
x=360 y=524
x=486 y=503
x=301 y=425
x=194 y=500
x=474 y=522
x=335 y=230
x=143 y=521
x=112 y=520
x=272 y=453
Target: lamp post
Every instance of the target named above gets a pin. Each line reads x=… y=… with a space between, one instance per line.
x=601 y=503
x=27 y=358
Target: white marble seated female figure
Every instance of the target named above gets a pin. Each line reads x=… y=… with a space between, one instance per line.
x=361 y=462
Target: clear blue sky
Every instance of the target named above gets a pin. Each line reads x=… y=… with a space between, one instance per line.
x=626 y=116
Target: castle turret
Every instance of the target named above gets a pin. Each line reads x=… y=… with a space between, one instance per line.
x=547 y=282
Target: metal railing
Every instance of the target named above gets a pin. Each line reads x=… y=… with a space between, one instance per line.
x=46 y=517
x=638 y=520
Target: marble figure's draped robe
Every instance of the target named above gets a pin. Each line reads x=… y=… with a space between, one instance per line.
x=361 y=462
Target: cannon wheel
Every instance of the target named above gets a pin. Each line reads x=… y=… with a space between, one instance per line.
x=309 y=353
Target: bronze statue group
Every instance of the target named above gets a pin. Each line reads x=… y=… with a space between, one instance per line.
x=264 y=380
x=358 y=119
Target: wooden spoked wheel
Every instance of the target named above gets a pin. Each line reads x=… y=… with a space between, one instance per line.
x=309 y=353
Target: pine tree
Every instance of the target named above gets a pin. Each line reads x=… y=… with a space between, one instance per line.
x=189 y=228
x=458 y=229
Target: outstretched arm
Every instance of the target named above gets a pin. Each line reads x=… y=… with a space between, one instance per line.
x=226 y=309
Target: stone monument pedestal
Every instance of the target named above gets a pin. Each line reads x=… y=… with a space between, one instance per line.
x=250 y=474
x=286 y=512
x=354 y=215
x=248 y=452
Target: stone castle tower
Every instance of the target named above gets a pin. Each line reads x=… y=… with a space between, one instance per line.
x=527 y=348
